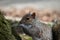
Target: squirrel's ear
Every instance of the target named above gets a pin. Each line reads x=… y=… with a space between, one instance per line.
x=33 y=14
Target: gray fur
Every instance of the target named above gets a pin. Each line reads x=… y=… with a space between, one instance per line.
x=47 y=30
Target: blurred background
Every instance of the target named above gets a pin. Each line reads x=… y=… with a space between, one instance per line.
x=46 y=10
x=15 y=9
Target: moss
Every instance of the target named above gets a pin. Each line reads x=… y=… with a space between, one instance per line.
x=5 y=29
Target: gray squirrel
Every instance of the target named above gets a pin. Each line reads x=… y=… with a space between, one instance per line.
x=34 y=28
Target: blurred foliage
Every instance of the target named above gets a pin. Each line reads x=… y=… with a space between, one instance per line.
x=5 y=29
x=25 y=37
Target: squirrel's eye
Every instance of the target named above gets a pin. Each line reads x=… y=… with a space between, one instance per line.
x=27 y=18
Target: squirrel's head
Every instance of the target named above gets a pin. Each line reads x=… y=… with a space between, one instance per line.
x=28 y=18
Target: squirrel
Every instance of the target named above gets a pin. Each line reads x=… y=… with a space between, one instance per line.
x=34 y=28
